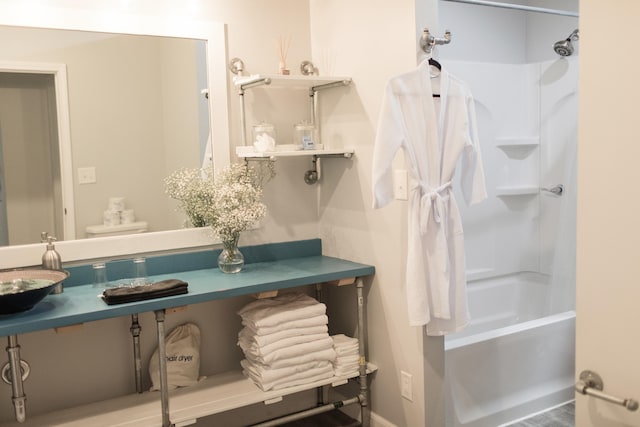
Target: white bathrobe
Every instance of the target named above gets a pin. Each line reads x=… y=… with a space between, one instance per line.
x=434 y=133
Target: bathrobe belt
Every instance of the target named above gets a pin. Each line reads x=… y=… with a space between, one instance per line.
x=432 y=204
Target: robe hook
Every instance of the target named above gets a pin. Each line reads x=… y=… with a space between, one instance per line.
x=428 y=41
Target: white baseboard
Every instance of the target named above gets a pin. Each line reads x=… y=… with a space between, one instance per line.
x=378 y=421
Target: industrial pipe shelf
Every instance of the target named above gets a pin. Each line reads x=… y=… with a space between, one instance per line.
x=269 y=268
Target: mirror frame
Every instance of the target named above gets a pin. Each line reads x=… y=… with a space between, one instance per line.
x=108 y=21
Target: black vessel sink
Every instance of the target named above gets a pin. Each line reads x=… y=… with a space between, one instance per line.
x=20 y=290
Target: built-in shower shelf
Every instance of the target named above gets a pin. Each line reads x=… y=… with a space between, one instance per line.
x=522 y=190
x=517 y=142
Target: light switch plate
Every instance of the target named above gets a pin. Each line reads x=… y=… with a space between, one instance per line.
x=406 y=385
x=400 y=184
x=87 y=175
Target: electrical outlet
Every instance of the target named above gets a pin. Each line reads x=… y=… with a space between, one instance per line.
x=400 y=184
x=406 y=385
x=87 y=175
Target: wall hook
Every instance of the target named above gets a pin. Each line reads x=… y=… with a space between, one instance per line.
x=428 y=41
x=308 y=69
x=236 y=66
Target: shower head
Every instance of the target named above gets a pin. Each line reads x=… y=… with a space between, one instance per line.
x=565 y=47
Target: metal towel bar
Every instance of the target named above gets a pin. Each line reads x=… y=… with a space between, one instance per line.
x=591 y=384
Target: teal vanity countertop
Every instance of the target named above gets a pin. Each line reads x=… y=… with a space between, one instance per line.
x=269 y=267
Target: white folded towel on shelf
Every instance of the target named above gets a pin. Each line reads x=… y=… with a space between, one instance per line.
x=347 y=371
x=344 y=344
x=269 y=375
x=262 y=352
x=326 y=354
x=309 y=375
x=285 y=341
x=294 y=351
x=249 y=336
x=298 y=323
x=287 y=307
x=347 y=361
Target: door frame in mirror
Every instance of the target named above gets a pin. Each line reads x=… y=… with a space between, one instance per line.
x=214 y=34
x=59 y=73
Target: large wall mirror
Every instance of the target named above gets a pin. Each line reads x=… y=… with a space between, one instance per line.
x=117 y=106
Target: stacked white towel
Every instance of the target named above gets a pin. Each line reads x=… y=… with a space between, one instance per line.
x=347 y=358
x=285 y=341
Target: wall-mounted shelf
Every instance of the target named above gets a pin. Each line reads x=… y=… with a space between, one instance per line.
x=250 y=153
x=522 y=190
x=314 y=85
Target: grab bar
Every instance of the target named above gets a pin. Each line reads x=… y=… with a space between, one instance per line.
x=557 y=190
x=591 y=384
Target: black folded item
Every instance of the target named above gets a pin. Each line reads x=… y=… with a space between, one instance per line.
x=164 y=288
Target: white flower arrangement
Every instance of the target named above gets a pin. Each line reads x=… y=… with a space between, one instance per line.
x=193 y=189
x=229 y=204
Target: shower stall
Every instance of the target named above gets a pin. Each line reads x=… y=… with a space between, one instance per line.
x=516 y=358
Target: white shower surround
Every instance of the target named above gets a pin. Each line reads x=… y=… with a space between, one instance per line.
x=532 y=371
x=516 y=357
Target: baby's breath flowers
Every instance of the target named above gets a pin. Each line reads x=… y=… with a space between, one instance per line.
x=229 y=204
x=236 y=202
x=193 y=189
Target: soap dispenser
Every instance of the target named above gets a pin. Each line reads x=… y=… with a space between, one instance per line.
x=51 y=258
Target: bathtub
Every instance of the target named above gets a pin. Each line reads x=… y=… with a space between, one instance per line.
x=514 y=359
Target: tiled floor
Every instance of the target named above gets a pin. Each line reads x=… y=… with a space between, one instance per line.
x=562 y=416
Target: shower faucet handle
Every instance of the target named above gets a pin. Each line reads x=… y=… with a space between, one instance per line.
x=557 y=190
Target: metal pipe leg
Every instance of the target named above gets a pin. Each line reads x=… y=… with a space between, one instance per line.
x=319 y=390
x=364 y=385
x=135 y=333
x=162 y=355
x=18 y=396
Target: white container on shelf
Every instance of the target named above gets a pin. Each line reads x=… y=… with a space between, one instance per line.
x=264 y=137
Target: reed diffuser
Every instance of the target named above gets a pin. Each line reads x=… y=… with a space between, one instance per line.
x=283 y=50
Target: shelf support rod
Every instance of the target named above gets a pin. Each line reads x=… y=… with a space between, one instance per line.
x=362 y=364
x=320 y=390
x=17 y=377
x=309 y=412
x=258 y=82
x=162 y=356
x=137 y=362
x=243 y=133
x=313 y=96
x=345 y=82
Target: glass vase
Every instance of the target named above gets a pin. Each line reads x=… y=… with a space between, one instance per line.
x=230 y=259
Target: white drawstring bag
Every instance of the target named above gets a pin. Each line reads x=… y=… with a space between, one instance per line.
x=183 y=358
